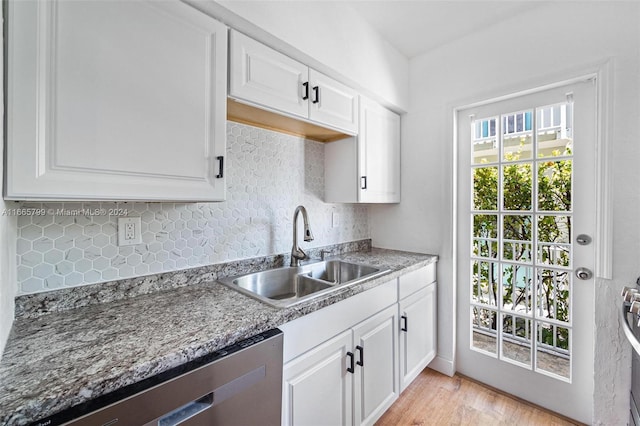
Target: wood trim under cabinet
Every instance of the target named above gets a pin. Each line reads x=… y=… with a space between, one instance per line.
x=253 y=116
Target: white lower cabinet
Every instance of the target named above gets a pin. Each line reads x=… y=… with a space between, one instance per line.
x=376 y=373
x=350 y=379
x=347 y=363
x=417 y=333
x=317 y=388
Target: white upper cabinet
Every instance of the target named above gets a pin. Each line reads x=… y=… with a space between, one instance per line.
x=379 y=154
x=366 y=169
x=332 y=103
x=115 y=101
x=267 y=78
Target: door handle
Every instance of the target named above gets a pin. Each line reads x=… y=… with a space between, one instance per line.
x=583 y=239
x=405 y=320
x=361 y=350
x=306 y=91
x=316 y=92
x=352 y=368
x=363 y=182
x=584 y=273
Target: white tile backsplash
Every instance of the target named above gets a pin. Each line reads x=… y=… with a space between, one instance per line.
x=268 y=175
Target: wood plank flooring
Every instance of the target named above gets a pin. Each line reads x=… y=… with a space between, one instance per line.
x=436 y=399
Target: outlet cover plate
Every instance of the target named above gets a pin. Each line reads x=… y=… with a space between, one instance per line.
x=134 y=239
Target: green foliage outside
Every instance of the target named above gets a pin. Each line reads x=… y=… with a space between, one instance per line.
x=554 y=195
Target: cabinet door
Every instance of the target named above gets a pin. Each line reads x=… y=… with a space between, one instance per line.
x=418 y=333
x=317 y=386
x=115 y=101
x=379 y=154
x=376 y=379
x=263 y=76
x=332 y=103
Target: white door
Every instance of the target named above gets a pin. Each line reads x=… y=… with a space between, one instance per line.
x=115 y=101
x=332 y=103
x=379 y=154
x=266 y=77
x=418 y=333
x=376 y=375
x=318 y=389
x=526 y=193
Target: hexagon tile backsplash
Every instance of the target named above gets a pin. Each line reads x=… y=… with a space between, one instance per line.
x=268 y=175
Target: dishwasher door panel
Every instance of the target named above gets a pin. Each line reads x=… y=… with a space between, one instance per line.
x=244 y=388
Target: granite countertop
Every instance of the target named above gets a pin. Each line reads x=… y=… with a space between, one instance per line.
x=55 y=361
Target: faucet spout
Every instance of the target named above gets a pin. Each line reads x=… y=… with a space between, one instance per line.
x=297 y=254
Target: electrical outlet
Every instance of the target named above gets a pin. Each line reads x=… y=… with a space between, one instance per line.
x=129 y=232
x=335 y=220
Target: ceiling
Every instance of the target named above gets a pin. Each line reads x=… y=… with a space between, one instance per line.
x=418 y=26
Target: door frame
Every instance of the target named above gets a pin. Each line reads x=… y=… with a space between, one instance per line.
x=601 y=73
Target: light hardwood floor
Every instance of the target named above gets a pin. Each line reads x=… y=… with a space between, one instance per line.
x=436 y=399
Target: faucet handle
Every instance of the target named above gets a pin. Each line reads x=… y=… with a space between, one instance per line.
x=323 y=253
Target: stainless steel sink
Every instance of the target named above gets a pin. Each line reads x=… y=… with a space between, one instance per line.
x=284 y=287
x=337 y=271
x=279 y=284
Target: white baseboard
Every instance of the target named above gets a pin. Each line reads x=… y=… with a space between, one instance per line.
x=442 y=365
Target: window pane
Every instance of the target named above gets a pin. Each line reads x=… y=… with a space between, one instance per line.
x=555 y=130
x=485 y=248
x=516 y=339
x=517 y=147
x=485 y=225
x=554 y=294
x=517 y=183
x=553 y=350
x=516 y=231
x=485 y=233
x=554 y=229
x=554 y=240
x=484 y=282
x=485 y=188
x=485 y=144
x=484 y=323
x=516 y=288
x=554 y=185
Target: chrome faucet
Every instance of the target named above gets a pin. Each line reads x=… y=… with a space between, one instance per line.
x=296 y=252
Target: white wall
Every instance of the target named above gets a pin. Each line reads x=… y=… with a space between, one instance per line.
x=554 y=40
x=334 y=37
x=8 y=234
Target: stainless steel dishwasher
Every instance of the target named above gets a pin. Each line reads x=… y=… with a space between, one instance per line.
x=238 y=385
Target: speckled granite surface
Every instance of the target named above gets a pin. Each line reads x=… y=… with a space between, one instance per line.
x=56 y=361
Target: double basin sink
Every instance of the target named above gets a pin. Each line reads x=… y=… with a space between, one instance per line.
x=283 y=287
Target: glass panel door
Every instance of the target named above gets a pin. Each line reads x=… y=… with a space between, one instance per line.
x=526 y=186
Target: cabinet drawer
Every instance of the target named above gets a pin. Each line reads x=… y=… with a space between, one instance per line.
x=415 y=280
